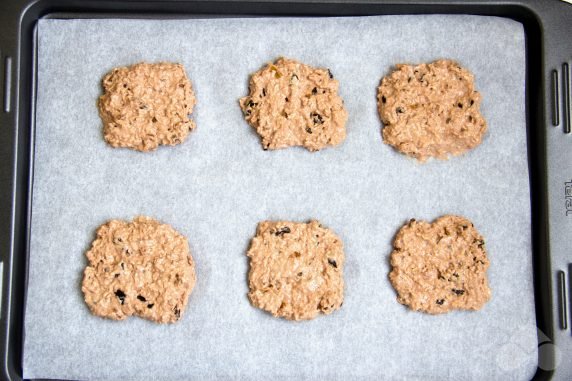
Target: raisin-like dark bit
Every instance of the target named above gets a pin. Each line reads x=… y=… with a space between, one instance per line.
x=440 y=301
x=332 y=263
x=122 y=266
x=459 y=105
x=308 y=130
x=116 y=275
x=141 y=298
x=481 y=243
x=314 y=91
x=150 y=305
x=383 y=99
x=280 y=232
x=330 y=74
x=177 y=312
x=399 y=110
x=286 y=99
x=120 y=295
x=317 y=118
x=458 y=292
x=263 y=92
x=154 y=120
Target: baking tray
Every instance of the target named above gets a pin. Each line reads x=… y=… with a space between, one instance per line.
x=548 y=27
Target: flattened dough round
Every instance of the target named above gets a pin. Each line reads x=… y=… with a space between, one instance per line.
x=296 y=269
x=293 y=104
x=141 y=268
x=146 y=105
x=440 y=266
x=431 y=110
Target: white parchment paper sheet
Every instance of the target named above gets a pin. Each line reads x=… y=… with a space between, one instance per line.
x=216 y=186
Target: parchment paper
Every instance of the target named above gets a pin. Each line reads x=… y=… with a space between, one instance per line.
x=216 y=186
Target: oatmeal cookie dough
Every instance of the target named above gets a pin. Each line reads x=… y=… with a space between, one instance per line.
x=146 y=105
x=431 y=110
x=296 y=269
x=141 y=268
x=293 y=104
x=440 y=266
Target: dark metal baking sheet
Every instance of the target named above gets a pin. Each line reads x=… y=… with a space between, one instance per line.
x=547 y=26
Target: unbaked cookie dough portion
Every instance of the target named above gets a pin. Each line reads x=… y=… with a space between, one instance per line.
x=440 y=266
x=293 y=104
x=146 y=105
x=141 y=268
x=431 y=110
x=296 y=269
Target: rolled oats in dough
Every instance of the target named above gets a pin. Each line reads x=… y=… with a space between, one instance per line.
x=141 y=268
x=431 y=110
x=293 y=104
x=296 y=269
x=146 y=105
x=440 y=266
